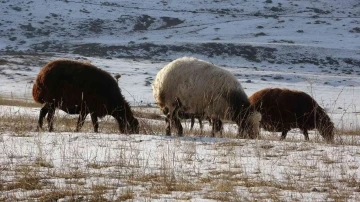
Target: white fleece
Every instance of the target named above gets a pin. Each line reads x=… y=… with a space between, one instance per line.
x=202 y=87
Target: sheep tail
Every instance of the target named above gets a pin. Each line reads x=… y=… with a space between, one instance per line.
x=37 y=93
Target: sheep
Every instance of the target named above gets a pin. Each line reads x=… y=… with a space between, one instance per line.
x=81 y=88
x=198 y=87
x=284 y=109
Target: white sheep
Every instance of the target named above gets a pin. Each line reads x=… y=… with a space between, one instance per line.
x=197 y=87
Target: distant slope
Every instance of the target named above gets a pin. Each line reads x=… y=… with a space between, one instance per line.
x=322 y=33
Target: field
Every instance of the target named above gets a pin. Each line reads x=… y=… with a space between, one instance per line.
x=312 y=46
x=107 y=166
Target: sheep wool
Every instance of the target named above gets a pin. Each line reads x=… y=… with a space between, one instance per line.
x=199 y=87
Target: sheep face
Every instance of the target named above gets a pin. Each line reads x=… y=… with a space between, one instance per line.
x=326 y=129
x=133 y=126
x=128 y=124
x=249 y=126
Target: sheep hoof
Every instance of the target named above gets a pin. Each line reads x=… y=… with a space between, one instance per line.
x=38 y=129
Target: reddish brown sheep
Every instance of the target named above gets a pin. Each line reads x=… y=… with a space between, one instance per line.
x=284 y=109
x=81 y=88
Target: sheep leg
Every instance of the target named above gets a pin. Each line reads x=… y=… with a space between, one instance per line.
x=50 y=117
x=44 y=110
x=218 y=126
x=213 y=129
x=168 y=126
x=95 y=122
x=192 y=122
x=122 y=124
x=209 y=119
x=178 y=125
x=240 y=132
x=306 y=134
x=283 y=134
x=81 y=120
x=201 y=125
x=175 y=118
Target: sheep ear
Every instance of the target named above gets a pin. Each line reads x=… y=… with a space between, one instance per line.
x=117 y=77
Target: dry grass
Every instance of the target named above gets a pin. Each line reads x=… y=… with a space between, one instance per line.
x=19 y=122
x=348 y=132
x=19 y=102
x=55 y=195
x=25 y=178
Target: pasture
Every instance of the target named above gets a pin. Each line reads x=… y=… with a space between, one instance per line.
x=108 y=166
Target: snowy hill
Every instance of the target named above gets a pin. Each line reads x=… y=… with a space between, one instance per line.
x=276 y=32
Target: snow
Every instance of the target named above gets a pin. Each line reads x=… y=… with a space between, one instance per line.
x=294 y=165
x=314 y=46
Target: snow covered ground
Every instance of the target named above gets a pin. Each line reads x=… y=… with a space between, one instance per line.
x=154 y=167
x=313 y=46
x=67 y=166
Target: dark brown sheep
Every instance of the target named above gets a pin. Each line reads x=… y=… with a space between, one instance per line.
x=81 y=88
x=284 y=109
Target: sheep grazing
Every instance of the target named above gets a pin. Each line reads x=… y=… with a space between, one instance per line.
x=284 y=109
x=198 y=87
x=81 y=88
